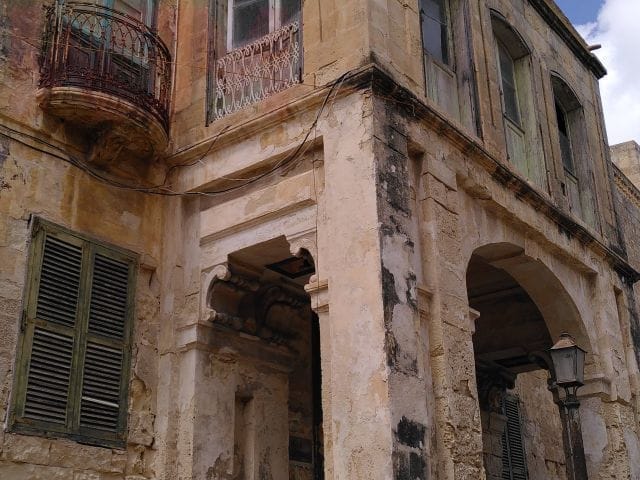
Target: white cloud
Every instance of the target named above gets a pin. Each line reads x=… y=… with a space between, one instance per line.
x=618 y=31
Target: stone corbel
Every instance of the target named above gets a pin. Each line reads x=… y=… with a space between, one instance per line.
x=473 y=316
x=493 y=380
x=318 y=290
x=301 y=241
x=217 y=273
x=598 y=386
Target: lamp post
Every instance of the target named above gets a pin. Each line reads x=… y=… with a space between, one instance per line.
x=568 y=375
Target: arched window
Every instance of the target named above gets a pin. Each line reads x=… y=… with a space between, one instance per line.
x=434 y=19
x=516 y=89
x=448 y=59
x=574 y=150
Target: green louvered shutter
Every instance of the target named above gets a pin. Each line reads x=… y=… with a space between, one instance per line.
x=514 y=461
x=103 y=402
x=74 y=354
x=52 y=329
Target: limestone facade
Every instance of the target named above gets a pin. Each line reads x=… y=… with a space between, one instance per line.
x=330 y=278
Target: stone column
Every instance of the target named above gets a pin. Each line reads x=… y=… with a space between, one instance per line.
x=355 y=379
x=318 y=290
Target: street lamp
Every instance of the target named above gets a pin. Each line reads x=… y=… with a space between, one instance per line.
x=568 y=374
x=568 y=364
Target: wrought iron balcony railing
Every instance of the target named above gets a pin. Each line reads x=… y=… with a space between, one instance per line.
x=254 y=72
x=97 y=48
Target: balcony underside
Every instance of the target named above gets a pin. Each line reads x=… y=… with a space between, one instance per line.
x=112 y=119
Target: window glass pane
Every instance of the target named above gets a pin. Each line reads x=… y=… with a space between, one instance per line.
x=509 y=92
x=434 y=39
x=434 y=9
x=565 y=142
x=289 y=11
x=250 y=21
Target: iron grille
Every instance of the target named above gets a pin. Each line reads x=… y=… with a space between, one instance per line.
x=95 y=47
x=254 y=72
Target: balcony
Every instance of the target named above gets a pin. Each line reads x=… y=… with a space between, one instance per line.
x=256 y=71
x=105 y=71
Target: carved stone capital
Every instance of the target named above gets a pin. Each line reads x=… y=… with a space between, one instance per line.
x=493 y=381
x=318 y=290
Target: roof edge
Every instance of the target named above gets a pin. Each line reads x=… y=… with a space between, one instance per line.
x=560 y=24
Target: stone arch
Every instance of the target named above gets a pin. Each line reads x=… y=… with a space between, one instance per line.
x=513 y=39
x=523 y=308
x=556 y=305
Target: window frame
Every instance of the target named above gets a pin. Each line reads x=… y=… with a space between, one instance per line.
x=71 y=429
x=447 y=62
x=578 y=184
x=501 y=49
x=275 y=21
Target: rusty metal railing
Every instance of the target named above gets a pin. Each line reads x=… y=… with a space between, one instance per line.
x=94 y=47
x=254 y=72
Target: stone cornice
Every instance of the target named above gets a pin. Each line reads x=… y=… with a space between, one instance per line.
x=385 y=86
x=549 y=11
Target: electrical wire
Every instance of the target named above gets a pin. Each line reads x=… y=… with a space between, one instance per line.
x=162 y=189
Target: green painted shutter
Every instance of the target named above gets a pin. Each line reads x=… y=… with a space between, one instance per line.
x=514 y=461
x=74 y=354
x=103 y=384
x=51 y=328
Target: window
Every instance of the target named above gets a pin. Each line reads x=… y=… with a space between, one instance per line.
x=574 y=151
x=448 y=61
x=255 y=51
x=142 y=10
x=514 y=460
x=250 y=20
x=73 y=357
x=509 y=86
x=516 y=90
x=435 y=30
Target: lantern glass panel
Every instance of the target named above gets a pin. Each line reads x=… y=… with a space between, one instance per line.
x=565 y=365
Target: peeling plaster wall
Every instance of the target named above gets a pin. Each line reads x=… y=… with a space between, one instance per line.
x=37 y=184
x=391 y=196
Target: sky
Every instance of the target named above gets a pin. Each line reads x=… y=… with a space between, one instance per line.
x=614 y=25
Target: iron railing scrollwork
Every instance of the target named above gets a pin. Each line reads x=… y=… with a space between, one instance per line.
x=95 y=47
x=254 y=72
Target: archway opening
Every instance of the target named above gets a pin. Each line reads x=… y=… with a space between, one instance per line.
x=267 y=330
x=517 y=306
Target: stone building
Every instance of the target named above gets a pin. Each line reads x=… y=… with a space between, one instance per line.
x=273 y=239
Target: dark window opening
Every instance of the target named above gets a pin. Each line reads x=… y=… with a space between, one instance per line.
x=509 y=86
x=565 y=139
x=435 y=31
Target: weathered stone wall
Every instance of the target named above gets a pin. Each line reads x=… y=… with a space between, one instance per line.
x=542 y=429
x=34 y=182
x=391 y=197
x=39 y=184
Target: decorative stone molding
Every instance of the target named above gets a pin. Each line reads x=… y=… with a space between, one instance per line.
x=493 y=381
x=473 y=316
x=301 y=241
x=319 y=292
x=243 y=304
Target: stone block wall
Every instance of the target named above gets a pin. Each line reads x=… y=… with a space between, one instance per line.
x=35 y=183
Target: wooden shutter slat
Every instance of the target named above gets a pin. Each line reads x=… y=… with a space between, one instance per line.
x=48 y=377
x=100 y=406
x=59 y=282
x=514 y=462
x=109 y=297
